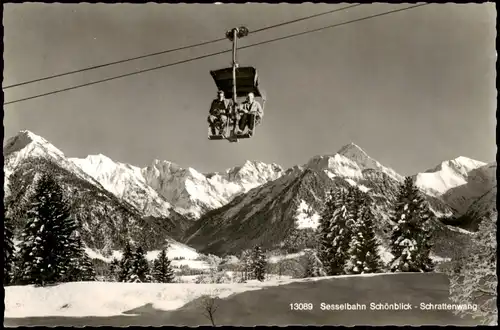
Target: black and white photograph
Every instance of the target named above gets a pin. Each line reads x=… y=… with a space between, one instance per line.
x=246 y=164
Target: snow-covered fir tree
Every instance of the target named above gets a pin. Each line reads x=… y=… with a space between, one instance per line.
x=245 y=265
x=334 y=233
x=71 y=250
x=323 y=232
x=8 y=251
x=363 y=251
x=114 y=270
x=140 y=266
x=312 y=267
x=87 y=269
x=126 y=264
x=410 y=239
x=45 y=250
x=259 y=264
x=81 y=267
x=477 y=280
x=162 y=269
x=354 y=200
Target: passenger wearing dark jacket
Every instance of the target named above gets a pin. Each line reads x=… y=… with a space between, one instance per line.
x=218 y=115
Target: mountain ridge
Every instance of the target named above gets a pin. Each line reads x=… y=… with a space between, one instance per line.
x=446 y=175
x=215 y=211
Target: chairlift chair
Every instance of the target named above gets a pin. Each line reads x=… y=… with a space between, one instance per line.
x=247 y=81
x=242 y=79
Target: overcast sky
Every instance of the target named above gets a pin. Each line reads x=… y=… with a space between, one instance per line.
x=412 y=88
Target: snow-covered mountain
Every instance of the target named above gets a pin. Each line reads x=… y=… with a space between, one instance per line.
x=194 y=193
x=156 y=190
x=267 y=214
x=107 y=221
x=483 y=208
x=447 y=175
x=126 y=182
x=255 y=203
x=28 y=145
x=349 y=162
x=479 y=181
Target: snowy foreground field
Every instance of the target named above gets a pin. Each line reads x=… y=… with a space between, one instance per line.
x=111 y=298
x=253 y=303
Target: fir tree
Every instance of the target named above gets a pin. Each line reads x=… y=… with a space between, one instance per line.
x=312 y=266
x=162 y=269
x=8 y=252
x=87 y=270
x=323 y=233
x=140 y=266
x=126 y=264
x=246 y=265
x=81 y=268
x=354 y=200
x=45 y=252
x=410 y=239
x=335 y=236
x=114 y=270
x=363 y=250
x=477 y=281
x=259 y=264
x=73 y=252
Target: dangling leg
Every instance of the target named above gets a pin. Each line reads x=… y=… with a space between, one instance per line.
x=223 y=124
x=251 y=123
x=236 y=120
x=242 y=123
x=211 y=123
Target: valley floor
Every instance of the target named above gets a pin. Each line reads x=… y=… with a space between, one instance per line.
x=255 y=303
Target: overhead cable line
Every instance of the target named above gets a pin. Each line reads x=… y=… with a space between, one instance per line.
x=175 y=49
x=215 y=54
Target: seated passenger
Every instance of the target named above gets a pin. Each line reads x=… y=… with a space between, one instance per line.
x=248 y=111
x=219 y=111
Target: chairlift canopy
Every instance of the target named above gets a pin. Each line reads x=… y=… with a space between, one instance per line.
x=246 y=81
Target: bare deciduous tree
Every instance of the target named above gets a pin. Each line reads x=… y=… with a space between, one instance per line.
x=210 y=305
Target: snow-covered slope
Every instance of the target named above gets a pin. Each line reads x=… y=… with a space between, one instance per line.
x=81 y=299
x=107 y=221
x=481 y=209
x=194 y=193
x=479 y=181
x=156 y=190
x=349 y=162
x=447 y=175
x=29 y=145
x=267 y=214
x=306 y=216
x=127 y=182
x=252 y=203
x=177 y=252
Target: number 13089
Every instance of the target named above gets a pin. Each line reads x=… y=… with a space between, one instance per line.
x=301 y=306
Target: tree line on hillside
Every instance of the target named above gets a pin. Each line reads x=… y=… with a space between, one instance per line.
x=134 y=267
x=253 y=264
x=51 y=249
